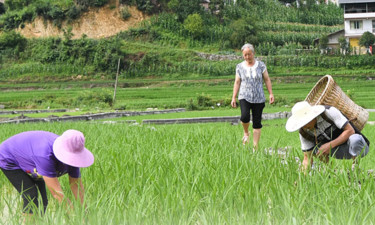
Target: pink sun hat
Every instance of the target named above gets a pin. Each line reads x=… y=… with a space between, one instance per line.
x=70 y=149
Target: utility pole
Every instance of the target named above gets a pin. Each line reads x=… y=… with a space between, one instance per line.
x=118 y=69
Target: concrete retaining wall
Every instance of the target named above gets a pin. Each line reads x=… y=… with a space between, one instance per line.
x=230 y=119
x=97 y=116
x=6 y=112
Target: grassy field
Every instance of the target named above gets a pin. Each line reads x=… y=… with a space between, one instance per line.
x=202 y=174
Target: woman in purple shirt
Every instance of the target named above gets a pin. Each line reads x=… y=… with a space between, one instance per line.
x=32 y=160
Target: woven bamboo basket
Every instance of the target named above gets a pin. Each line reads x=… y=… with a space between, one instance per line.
x=327 y=92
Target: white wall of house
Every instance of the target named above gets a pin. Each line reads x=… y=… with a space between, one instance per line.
x=365 y=24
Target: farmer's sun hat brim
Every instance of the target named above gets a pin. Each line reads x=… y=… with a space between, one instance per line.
x=69 y=148
x=302 y=114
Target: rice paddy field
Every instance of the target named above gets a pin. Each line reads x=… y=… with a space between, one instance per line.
x=196 y=173
x=201 y=174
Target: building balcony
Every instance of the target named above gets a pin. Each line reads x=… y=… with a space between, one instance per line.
x=349 y=16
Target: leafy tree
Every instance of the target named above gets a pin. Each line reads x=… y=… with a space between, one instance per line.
x=183 y=8
x=2 y=8
x=12 y=40
x=367 y=39
x=16 y=4
x=194 y=25
x=323 y=42
x=88 y=3
x=308 y=4
x=343 y=44
x=287 y=1
x=243 y=31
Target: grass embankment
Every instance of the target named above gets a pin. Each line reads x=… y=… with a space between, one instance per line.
x=201 y=173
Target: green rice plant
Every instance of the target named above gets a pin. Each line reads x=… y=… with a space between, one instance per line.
x=201 y=173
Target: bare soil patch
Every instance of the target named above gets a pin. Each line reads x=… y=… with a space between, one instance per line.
x=96 y=23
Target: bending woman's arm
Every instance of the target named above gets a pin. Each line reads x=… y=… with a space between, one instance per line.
x=77 y=188
x=54 y=186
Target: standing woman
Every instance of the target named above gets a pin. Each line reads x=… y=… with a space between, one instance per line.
x=32 y=160
x=249 y=83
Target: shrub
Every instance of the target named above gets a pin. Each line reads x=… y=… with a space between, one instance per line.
x=194 y=25
x=367 y=39
x=243 y=31
x=94 y=98
x=16 y=4
x=2 y=8
x=184 y=8
x=323 y=42
x=14 y=42
x=88 y=3
x=204 y=100
x=125 y=14
x=73 y=12
x=344 y=46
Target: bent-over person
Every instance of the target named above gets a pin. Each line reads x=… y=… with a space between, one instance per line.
x=33 y=160
x=325 y=132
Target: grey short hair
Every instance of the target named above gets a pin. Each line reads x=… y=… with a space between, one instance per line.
x=249 y=46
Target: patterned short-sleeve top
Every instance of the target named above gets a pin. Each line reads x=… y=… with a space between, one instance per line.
x=251 y=88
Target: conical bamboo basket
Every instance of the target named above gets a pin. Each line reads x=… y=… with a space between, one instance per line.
x=327 y=92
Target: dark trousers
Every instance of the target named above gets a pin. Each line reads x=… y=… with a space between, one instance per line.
x=257 y=110
x=28 y=188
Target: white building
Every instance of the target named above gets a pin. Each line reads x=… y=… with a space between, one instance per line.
x=359 y=17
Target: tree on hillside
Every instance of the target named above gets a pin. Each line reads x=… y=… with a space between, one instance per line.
x=244 y=30
x=194 y=25
x=367 y=40
x=344 y=46
x=287 y=1
x=13 y=41
x=323 y=43
x=88 y=3
x=183 y=8
x=16 y=4
x=2 y=8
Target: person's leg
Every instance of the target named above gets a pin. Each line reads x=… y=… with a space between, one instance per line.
x=256 y=138
x=257 y=111
x=245 y=119
x=26 y=187
x=357 y=145
x=354 y=147
x=43 y=192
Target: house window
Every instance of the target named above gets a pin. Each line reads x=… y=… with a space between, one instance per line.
x=356 y=25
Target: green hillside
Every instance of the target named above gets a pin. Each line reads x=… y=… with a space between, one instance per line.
x=181 y=26
x=167 y=45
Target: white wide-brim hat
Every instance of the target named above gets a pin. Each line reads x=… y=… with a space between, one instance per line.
x=70 y=149
x=302 y=114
